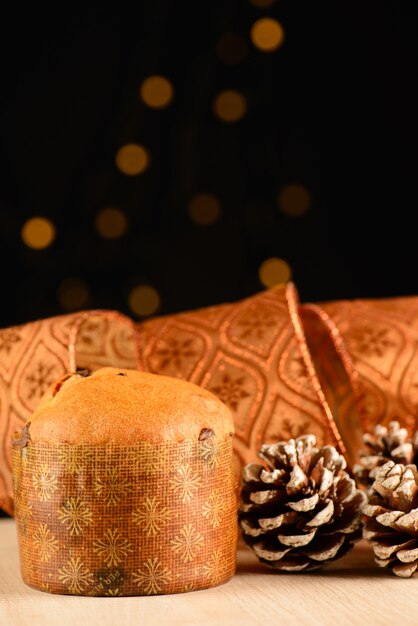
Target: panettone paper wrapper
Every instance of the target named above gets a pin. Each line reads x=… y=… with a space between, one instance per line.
x=116 y=520
x=284 y=369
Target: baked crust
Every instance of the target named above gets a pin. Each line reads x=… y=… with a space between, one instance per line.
x=125 y=406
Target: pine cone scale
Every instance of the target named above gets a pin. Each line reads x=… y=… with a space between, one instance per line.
x=389 y=518
x=252 y=531
x=385 y=550
x=347 y=523
x=408 y=556
x=323 y=516
x=269 y=554
x=347 y=490
x=295 y=564
x=404 y=453
x=253 y=472
x=264 y=497
x=372 y=532
x=408 y=521
x=272 y=523
x=405 y=570
x=306 y=504
x=326 y=550
x=297 y=541
x=298 y=481
x=327 y=479
x=373 y=510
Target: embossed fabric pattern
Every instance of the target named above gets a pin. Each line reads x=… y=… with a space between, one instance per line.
x=249 y=355
x=126 y=520
x=284 y=369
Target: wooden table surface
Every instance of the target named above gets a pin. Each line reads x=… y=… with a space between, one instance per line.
x=352 y=591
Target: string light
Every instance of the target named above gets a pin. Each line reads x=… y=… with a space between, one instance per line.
x=204 y=209
x=230 y=106
x=73 y=293
x=132 y=159
x=144 y=300
x=111 y=223
x=267 y=34
x=157 y=92
x=294 y=200
x=38 y=233
x=274 y=271
x=232 y=49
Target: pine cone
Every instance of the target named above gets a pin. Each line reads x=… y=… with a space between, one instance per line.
x=303 y=510
x=391 y=518
x=385 y=444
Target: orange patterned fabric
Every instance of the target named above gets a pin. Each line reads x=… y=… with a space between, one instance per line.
x=253 y=356
x=380 y=338
x=284 y=369
x=116 y=520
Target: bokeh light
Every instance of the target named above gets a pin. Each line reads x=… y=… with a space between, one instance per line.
x=262 y=4
x=38 y=233
x=274 y=271
x=294 y=200
x=230 y=105
x=157 y=92
x=73 y=293
x=132 y=159
x=144 y=300
x=232 y=49
x=204 y=209
x=111 y=223
x=267 y=34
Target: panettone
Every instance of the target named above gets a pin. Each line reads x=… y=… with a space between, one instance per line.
x=124 y=485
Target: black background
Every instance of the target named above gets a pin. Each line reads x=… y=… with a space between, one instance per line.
x=334 y=109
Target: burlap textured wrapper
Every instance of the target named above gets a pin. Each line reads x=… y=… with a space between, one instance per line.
x=126 y=520
x=333 y=370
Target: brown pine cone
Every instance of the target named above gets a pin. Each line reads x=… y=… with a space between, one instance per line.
x=389 y=443
x=303 y=509
x=391 y=518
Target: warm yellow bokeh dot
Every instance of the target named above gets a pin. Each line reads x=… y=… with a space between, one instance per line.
x=157 y=92
x=274 y=271
x=73 y=293
x=111 y=223
x=232 y=49
x=230 y=105
x=267 y=34
x=262 y=4
x=38 y=233
x=144 y=300
x=294 y=200
x=204 y=209
x=132 y=159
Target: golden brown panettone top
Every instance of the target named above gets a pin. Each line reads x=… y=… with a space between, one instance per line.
x=126 y=406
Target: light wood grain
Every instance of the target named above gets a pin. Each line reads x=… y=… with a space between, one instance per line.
x=349 y=592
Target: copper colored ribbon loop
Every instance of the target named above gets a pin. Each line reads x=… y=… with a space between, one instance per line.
x=337 y=377
x=297 y=317
x=82 y=353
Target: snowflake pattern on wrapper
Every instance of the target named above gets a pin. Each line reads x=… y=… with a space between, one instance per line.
x=97 y=521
